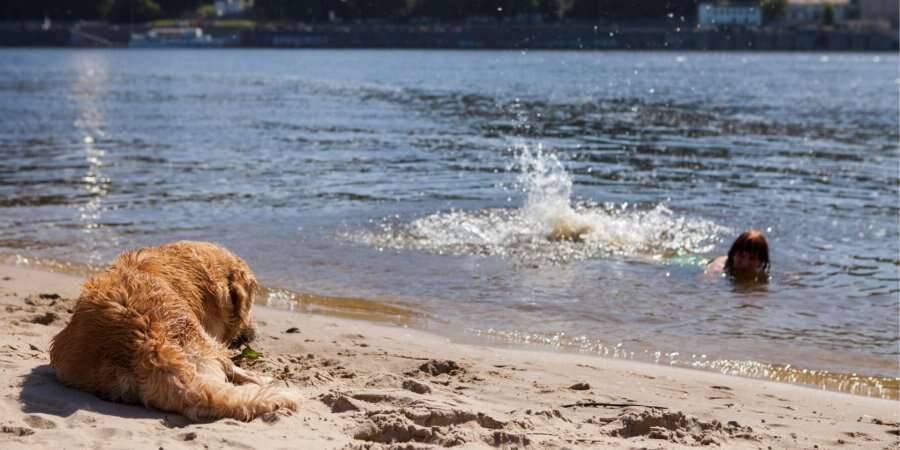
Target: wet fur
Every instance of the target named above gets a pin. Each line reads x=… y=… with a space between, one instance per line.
x=154 y=327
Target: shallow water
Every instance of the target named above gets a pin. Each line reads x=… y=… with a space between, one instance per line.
x=431 y=181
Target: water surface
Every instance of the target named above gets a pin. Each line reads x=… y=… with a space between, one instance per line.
x=430 y=181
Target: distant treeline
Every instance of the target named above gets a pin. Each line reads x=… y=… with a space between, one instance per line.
x=461 y=10
x=398 y=11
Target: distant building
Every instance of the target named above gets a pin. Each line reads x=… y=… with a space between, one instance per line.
x=879 y=11
x=226 y=8
x=711 y=15
x=812 y=12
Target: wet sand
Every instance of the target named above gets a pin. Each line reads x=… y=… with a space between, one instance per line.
x=371 y=385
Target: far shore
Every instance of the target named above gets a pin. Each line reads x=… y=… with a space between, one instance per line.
x=377 y=386
x=433 y=36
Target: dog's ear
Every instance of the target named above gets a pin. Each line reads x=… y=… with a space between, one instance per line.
x=241 y=286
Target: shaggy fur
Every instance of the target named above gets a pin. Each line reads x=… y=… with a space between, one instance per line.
x=153 y=328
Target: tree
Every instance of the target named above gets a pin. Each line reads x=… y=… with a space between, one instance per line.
x=367 y=9
x=287 y=10
x=613 y=10
x=828 y=15
x=319 y=10
x=131 y=11
x=772 y=9
x=54 y=9
x=443 y=10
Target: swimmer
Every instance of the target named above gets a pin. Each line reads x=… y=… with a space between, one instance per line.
x=749 y=255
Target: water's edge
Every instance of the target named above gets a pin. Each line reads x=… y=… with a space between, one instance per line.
x=404 y=313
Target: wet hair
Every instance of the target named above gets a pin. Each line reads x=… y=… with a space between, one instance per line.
x=751 y=242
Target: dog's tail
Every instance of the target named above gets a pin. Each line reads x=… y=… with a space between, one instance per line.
x=171 y=380
x=153 y=359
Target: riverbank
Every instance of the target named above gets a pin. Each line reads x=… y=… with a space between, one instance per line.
x=368 y=385
x=506 y=37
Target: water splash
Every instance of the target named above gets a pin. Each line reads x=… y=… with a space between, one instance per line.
x=548 y=226
x=549 y=189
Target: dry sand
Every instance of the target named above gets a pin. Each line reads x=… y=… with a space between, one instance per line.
x=367 y=385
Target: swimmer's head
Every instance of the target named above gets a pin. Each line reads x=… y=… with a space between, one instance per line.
x=748 y=254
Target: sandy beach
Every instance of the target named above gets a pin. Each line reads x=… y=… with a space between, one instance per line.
x=373 y=386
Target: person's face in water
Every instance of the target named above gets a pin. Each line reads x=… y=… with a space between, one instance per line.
x=746 y=262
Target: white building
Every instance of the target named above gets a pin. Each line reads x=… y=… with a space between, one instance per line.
x=232 y=7
x=728 y=15
x=812 y=12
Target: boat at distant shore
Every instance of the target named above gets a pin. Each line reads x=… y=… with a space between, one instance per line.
x=175 y=37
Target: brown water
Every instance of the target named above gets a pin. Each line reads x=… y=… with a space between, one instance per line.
x=419 y=187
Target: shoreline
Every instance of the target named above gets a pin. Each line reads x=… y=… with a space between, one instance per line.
x=390 y=312
x=371 y=385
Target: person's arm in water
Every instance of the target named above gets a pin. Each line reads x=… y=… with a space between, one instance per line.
x=717 y=265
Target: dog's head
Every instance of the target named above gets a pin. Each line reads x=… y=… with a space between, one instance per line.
x=242 y=284
x=225 y=287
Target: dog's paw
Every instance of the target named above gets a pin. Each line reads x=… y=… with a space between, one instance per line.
x=265 y=381
x=281 y=399
x=240 y=376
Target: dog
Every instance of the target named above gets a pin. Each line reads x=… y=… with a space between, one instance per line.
x=154 y=328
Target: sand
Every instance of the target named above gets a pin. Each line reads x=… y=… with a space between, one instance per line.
x=374 y=386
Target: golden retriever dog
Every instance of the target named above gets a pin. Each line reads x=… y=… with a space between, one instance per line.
x=154 y=328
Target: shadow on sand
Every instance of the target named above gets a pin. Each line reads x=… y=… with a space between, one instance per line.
x=43 y=393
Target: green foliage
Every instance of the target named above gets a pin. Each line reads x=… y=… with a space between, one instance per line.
x=828 y=15
x=497 y=10
x=613 y=10
x=361 y=10
x=178 y=8
x=246 y=353
x=54 y=9
x=319 y=10
x=206 y=10
x=285 y=10
x=234 y=23
x=773 y=9
x=131 y=11
x=401 y=10
x=113 y=10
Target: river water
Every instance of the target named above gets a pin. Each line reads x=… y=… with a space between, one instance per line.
x=423 y=185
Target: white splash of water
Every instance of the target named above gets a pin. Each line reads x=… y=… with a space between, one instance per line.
x=548 y=226
x=549 y=190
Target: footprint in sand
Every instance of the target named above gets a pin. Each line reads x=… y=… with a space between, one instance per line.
x=80 y=418
x=108 y=433
x=39 y=422
x=16 y=431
